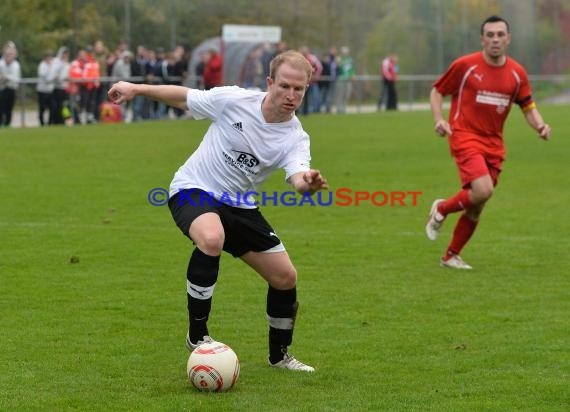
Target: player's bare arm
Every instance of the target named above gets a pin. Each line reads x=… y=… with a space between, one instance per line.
x=535 y=120
x=174 y=96
x=310 y=181
x=442 y=127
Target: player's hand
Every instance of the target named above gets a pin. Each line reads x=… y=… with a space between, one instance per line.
x=544 y=131
x=442 y=128
x=315 y=180
x=121 y=92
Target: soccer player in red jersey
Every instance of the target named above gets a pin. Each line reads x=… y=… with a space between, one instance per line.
x=483 y=86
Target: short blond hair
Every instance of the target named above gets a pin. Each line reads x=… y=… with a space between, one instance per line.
x=293 y=58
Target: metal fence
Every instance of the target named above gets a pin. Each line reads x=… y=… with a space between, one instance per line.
x=413 y=93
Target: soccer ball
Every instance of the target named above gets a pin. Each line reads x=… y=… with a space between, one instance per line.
x=213 y=367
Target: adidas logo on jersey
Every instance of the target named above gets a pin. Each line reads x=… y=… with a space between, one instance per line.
x=238 y=126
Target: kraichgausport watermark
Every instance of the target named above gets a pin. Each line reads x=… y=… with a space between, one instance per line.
x=340 y=197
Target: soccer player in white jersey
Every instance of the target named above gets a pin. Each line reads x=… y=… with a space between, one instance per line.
x=252 y=134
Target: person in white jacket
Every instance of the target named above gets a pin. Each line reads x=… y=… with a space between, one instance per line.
x=45 y=87
x=10 y=76
x=61 y=83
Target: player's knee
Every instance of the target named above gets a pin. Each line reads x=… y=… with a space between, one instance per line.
x=487 y=193
x=285 y=280
x=482 y=194
x=211 y=243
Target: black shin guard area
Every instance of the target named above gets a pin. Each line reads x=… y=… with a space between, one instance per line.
x=282 y=308
x=203 y=269
x=198 y=314
x=202 y=272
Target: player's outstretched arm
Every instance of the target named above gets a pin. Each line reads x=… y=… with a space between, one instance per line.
x=535 y=120
x=310 y=181
x=174 y=96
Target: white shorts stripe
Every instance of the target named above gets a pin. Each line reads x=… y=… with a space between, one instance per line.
x=279 y=248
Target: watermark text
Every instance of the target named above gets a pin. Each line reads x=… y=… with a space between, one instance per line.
x=340 y=197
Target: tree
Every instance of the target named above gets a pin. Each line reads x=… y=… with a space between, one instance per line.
x=426 y=34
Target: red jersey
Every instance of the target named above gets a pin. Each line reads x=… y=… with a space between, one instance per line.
x=481 y=98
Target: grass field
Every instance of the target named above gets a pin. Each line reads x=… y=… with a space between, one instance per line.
x=386 y=328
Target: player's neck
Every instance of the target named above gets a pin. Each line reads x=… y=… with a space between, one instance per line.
x=495 y=61
x=272 y=115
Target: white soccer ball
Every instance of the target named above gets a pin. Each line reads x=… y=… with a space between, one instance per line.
x=213 y=367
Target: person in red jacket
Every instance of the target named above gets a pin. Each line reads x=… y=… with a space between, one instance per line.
x=84 y=81
x=92 y=85
x=483 y=87
x=389 y=73
x=213 y=70
x=77 y=89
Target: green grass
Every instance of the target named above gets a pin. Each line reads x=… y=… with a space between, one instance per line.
x=385 y=326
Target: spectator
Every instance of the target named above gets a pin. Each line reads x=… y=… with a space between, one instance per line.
x=113 y=57
x=177 y=71
x=200 y=67
x=10 y=76
x=389 y=72
x=251 y=76
x=45 y=87
x=84 y=78
x=76 y=75
x=92 y=85
x=61 y=86
x=122 y=67
x=141 y=68
x=266 y=54
x=181 y=58
x=160 y=73
x=312 y=100
x=328 y=80
x=101 y=56
x=344 y=81
x=280 y=47
x=122 y=71
x=213 y=70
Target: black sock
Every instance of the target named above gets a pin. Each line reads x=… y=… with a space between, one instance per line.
x=281 y=312
x=201 y=276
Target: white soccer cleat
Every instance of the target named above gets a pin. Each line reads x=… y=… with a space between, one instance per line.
x=290 y=363
x=435 y=220
x=192 y=346
x=454 y=262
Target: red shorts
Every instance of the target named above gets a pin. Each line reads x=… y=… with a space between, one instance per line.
x=473 y=165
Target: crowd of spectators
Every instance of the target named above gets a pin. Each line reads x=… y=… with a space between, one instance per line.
x=73 y=89
x=94 y=68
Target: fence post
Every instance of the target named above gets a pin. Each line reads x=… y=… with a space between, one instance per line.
x=411 y=94
x=22 y=100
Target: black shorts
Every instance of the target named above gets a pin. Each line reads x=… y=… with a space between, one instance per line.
x=246 y=230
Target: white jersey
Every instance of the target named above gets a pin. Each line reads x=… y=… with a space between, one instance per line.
x=240 y=149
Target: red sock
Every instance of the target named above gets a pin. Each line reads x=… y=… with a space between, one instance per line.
x=460 y=201
x=463 y=231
